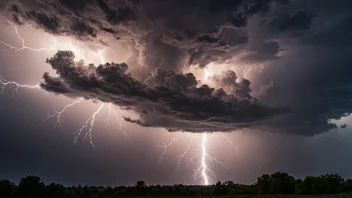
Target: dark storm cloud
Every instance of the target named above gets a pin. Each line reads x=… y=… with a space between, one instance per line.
x=312 y=77
x=201 y=31
x=296 y=22
x=172 y=34
x=166 y=99
x=268 y=51
x=318 y=89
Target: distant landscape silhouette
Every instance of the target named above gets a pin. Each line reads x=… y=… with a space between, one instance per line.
x=278 y=184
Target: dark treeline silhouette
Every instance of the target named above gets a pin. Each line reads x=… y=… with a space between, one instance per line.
x=276 y=183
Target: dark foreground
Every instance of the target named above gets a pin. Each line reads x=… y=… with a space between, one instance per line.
x=274 y=185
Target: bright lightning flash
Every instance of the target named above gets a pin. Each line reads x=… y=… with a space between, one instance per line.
x=114 y=114
x=4 y=83
x=88 y=126
x=204 y=166
x=203 y=172
x=58 y=114
x=75 y=49
x=23 y=47
x=167 y=146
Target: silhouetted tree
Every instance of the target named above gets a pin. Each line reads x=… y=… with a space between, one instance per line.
x=6 y=188
x=54 y=190
x=333 y=183
x=347 y=186
x=141 y=188
x=263 y=184
x=282 y=183
x=31 y=187
x=140 y=184
x=279 y=183
x=218 y=188
x=298 y=186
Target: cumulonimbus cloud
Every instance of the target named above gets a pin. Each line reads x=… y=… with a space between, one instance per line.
x=175 y=101
x=166 y=34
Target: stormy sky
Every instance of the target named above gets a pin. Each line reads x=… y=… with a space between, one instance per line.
x=268 y=81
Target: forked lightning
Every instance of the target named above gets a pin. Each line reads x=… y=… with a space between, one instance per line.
x=203 y=171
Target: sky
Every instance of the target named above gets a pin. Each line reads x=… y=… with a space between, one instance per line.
x=101 y=92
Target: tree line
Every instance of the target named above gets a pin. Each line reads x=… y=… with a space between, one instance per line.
x=276 y=183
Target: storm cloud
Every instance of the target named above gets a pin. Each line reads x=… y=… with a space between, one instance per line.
x=295 y=53
x=165 y=99
x=194 y=32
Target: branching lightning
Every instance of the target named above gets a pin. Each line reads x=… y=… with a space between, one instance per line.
x=4 y=83
x=88 y=126
x=24 y=47
x=112 y=113
x=181 y=156
x=58 y=114
x=166 y=147
x=203 y=172
x=204 y=166
x=202 y=158
x=48 y=49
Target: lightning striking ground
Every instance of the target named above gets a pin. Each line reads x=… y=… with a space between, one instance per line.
x=203 y=172
x=204 y=166
x=58 y=114
x=88 y=126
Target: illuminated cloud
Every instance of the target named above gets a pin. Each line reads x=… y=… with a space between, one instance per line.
x=166 y=99
x=277 y=41
x=163 y=34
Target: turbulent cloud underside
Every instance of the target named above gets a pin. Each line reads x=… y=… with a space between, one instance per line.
x=312 y=77
x=165 y=99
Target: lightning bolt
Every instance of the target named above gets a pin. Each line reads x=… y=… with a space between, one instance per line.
x=203 y=172
x=53 y=48
x=4 y=83
x=107 y=120
x=88 y=126
x=58 y=114
x=100 y=56
x=114 y=114
x=24 y=47
x=181 y=156
x=166 y=147
x=230 y=142
x=204 y=166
